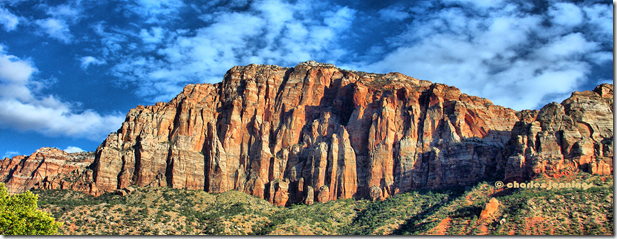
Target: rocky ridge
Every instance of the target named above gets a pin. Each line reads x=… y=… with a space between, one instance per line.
x=561 y=138
x=315 y=133
x=49 y=168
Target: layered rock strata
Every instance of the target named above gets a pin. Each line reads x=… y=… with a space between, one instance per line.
x=315 y=133
x=49 y=168
x=562 y=138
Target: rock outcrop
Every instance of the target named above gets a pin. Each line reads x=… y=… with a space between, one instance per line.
x=315 y=133
x=49 y=168
x=562 y=138
x=490 y=209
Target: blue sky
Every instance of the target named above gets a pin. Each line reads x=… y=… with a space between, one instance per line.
x=71 y=70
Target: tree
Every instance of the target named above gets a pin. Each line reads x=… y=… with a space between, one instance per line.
x=19 y=215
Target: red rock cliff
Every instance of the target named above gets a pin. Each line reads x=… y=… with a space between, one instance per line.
x=561 y=138
x=314 y=133
x=48 y=168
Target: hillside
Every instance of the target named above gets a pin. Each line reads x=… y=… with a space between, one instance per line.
x=456 y=211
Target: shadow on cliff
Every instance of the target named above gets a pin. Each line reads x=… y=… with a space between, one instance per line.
x=337 y=100
x=456 y=164
x=488 y=158
x=427 y=172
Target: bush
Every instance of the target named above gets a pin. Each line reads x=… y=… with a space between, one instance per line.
x=19 y=215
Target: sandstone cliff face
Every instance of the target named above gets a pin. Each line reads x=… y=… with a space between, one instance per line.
x=311 y=133
x=561 y=138
x=48 y=168
x=315 y=133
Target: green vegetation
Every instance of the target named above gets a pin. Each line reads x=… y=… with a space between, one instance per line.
x=455 y=211
x=19 y=215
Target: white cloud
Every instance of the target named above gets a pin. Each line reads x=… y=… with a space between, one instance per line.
x=66 y=11
x=23 y=109
x=11 y=2
x=566 y=14
x=156 y=11
x=339 y=19
x=8 y=19
x=393 y=14
x=505 y=54
x=73 y=149
x=56 y=28
x=481 y=5
x=600 y=19
x=111 y=40
x=573 y=45
x=155 y=35
x=90 y=60
x=15 y=70
x=269 y=32
x=9 y=154
x=606 y=81
x=600 y=57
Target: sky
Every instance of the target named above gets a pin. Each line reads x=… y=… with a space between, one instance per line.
x=71 y=70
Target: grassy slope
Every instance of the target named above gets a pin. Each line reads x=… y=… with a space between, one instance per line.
x=171 y=211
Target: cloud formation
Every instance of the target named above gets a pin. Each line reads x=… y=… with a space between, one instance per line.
x=269 y=32
x=56 y=28
x=500 y=51
x=8 y=19
x=73 y=149
x=155 y=11
x=62 y=17
x=90 y=60
x=23 y=109
x=69 y=11
x=9 y=154
x=393 y=14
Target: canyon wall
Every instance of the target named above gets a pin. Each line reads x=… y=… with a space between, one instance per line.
x=314 y=133
x=562 y=138
x=49 y=168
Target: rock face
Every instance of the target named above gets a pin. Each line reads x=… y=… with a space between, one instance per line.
x=490 y=209
x=561 y=138
x=49 y=168
x=315 y=133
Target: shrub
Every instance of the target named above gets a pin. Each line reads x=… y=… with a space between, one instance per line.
x=19 y=215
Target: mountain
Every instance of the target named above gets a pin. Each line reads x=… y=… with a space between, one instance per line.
x=316 y=133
